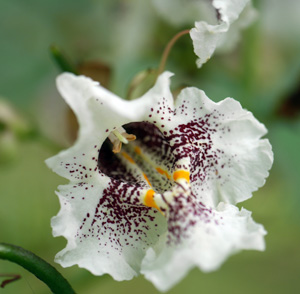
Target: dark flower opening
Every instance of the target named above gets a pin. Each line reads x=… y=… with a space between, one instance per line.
x=147 y=161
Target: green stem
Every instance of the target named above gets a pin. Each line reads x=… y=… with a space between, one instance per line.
x=37 y=266
x=168 y=49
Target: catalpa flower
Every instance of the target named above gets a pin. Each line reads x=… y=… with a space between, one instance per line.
x=231 y=17
x=217 y=22
x=153 y=181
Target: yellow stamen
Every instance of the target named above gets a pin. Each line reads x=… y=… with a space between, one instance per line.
x=117 y=145
x=181 y=174
x=129 y=137
x=119 y=136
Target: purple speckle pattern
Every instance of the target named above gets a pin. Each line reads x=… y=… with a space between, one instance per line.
x=184 y=213
x=120 y=219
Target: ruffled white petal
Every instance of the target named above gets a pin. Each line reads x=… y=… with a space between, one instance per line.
x=107 y=230
x=99 y=112
x=211 y=243
x=160 y=91
x=229 y=10
x=104 y=217
x=207 y=37
x=97 y=243
x=231 y=38
x=235 y=160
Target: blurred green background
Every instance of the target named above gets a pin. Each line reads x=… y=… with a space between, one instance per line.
x=263 y=73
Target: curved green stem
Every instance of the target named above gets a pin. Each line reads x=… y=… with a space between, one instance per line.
x=168 y=49
x=40 y=268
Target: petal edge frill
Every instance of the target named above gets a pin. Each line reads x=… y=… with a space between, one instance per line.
x=231 y=231
x=230 y=159
x=206 y=38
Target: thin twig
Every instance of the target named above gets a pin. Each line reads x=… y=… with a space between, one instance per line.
x=168 y=49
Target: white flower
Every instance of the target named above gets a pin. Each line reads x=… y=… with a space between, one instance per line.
x=165 y=202
x=232 y=16
x=218 y=22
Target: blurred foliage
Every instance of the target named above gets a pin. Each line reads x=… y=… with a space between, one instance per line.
x=117 y=40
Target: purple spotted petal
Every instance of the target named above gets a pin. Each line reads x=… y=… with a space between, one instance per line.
x=165 y=198
x=211 y=236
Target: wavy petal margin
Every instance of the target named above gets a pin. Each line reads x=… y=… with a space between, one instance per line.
x=162 y=203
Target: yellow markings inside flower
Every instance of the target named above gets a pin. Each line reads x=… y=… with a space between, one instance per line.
x=137 y=150
x=128 y=157
x=147 y=180
x=149 y=199
x=181 y=174
x=163 y=172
